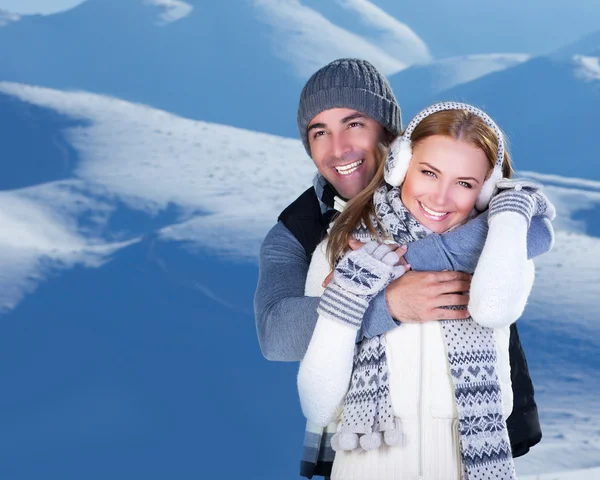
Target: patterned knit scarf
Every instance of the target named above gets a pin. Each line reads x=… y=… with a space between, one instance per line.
x=367 y=417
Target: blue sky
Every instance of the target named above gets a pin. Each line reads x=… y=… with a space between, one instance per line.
x=37 y=6
x=515 y=26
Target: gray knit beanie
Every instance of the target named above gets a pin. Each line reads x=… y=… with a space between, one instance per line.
x=348 y=83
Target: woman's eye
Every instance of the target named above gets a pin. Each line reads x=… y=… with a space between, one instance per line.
x=465 y=184
x=428 y=173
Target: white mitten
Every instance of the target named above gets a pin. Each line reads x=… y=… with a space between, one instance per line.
x=523 y=197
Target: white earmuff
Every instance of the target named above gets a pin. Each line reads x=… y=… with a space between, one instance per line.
x=397 y=161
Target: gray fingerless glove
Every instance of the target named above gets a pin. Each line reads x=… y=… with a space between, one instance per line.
x=357 y=278
x=520 y=196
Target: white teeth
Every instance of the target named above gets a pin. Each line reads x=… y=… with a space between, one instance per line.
x=432 y=212
x=348 y=169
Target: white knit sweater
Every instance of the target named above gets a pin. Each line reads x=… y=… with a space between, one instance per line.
x=420 y=382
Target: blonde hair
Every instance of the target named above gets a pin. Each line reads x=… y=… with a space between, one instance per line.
x=457 y=124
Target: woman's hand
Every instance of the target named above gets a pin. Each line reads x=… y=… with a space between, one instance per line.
x=356 y=244
x=522 y=197
x=368 y=270
x=357 y=278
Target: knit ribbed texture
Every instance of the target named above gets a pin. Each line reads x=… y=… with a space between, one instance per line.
x=517 y=201
x=357 y=278
x=521 y=196
x=438 y=460
x=348 y=83
x=338 y=304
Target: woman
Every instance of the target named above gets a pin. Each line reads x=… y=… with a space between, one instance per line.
x=424 y=400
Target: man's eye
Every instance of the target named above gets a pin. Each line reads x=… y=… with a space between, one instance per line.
x=319 y=134
x=355 y=124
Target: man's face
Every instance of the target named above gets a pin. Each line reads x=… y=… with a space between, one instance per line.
x=344 y=145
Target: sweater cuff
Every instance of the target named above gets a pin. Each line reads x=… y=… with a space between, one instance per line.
x=338 y=304
x=377 y=320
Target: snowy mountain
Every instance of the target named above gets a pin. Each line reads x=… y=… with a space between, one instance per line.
x=162 y=54
x=433 y=77
x=170 y=159
x=548 y=107
x=376 y=25
x=589 y=45
x=121 y=269
x=8 y=17
x=464 y=27
x=111 y=321
x=136 y=187
x=240 y=66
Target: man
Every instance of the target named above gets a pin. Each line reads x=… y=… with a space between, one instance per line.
x=347 y=114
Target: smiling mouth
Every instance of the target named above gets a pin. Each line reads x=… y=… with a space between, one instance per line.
x=348 y=169
x=432 y=213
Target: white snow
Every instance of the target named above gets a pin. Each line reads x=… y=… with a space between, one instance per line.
x=306 y=39
x=224 y=179
x=39 y=232
x=229 y=185
x=392 y=36
x=573 y=266
x=591 y=185
x=171 y=10
x=565 y=295
x=587 y=474
x=587 y=68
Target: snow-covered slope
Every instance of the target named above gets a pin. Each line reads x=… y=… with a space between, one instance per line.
x=242 y=66
x=146 y=181
x=375 y=24
x=586 y=474
x=301 y=32
x=561 y=332
x=219 y=178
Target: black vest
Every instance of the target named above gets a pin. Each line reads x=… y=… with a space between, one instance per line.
x=304 y=219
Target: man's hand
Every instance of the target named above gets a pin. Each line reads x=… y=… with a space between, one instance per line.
x=417 y=296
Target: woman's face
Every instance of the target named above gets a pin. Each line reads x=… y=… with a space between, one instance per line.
x=443 y=181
